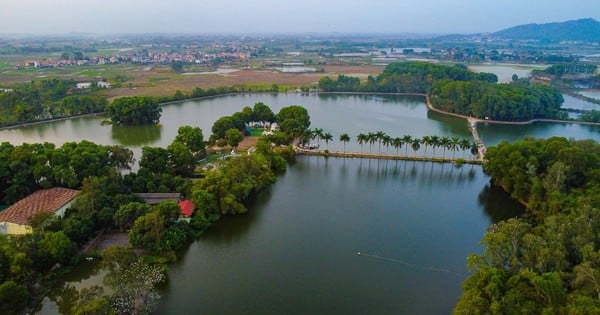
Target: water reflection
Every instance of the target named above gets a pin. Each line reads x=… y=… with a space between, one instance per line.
x=498 y=205
x=136 y=135
x=422 y=172
x=239 y=225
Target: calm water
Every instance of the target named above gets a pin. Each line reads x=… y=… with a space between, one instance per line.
x=575 y=103
x=493 y=134
x=296 y=251
x=592 y=94
x=506 y=71
x=337 y=114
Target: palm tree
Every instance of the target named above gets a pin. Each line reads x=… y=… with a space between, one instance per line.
x=415 y=145
x=397 y=143
x=361 y=138
x=464 y=146
x=387 y=140
x=453 y=145
x=380 y=135
x=306 y=136
x=371 y=138
x=344 y=137
x=318 y=134
x=444 y=143
x=327 y=137
x=426 y=140
x=435 y=142
x=407 y=139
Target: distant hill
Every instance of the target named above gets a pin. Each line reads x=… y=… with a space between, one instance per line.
x=575 y=30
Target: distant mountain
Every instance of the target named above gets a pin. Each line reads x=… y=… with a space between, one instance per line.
x=575 y=30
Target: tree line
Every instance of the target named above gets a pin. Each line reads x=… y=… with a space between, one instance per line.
x=46 y=99
x=407 y=141
x=458 y=90
x=548 y=261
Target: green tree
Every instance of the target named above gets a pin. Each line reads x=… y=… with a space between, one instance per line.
x=415 y=145
x=234 y=137
x=371 y=138
x=193 y=138
x=327 y=137
x=56 y=247
x=182 y=160
x=262 y=112
x=445 y=144
x=344 y=137
x=293 y=120
x=126 y=215
x=177 y=66
x=362 y=138
x=13 y=298
x=133 y=283
x=318 y=133
x=223 y=124
x=407 y=140
x=135 y=110
x=397 y=143
x=121 y=157
x=380 y=135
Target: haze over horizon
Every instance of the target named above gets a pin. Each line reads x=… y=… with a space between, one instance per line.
x=268 y=16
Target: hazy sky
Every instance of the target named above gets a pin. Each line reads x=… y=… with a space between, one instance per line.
x=283 y=16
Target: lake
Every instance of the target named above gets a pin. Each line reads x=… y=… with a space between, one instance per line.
x=506 y=71
x=335 y=113
x=296 y=251
x=414 y=223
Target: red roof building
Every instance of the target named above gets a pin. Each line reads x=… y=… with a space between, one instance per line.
x=187 y=208
x=14 y=220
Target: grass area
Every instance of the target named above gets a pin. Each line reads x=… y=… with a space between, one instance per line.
x=91 y=73
x=256 y=132
x=5 y=65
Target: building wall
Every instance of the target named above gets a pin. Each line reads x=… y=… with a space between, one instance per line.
x=61 y=212
x=13 y=228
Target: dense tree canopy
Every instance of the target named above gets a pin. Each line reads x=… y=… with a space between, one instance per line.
x=262 y=112
x=511 y=102
x=458 y=90
x=46 y=99
x=293 y=120
x=547 y=262
x=29 y=167
x=135 y=110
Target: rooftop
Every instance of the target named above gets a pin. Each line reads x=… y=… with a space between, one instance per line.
x=154 y=198
x=45 y=200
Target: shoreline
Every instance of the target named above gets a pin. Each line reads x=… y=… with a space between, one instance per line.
x=470 y=119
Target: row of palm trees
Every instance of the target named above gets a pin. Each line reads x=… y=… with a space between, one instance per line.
x=381 y=138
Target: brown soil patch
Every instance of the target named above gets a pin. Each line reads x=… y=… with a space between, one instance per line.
x=247 y=143
x=146 y=83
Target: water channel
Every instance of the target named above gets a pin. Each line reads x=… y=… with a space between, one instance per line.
x=414 y=223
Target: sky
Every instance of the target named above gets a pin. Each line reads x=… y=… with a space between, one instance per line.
x=284 y=16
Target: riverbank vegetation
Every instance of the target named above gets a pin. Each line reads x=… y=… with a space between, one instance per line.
x=46 y=99
x=457 y=90
x=107 y=201
x=546 y=262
